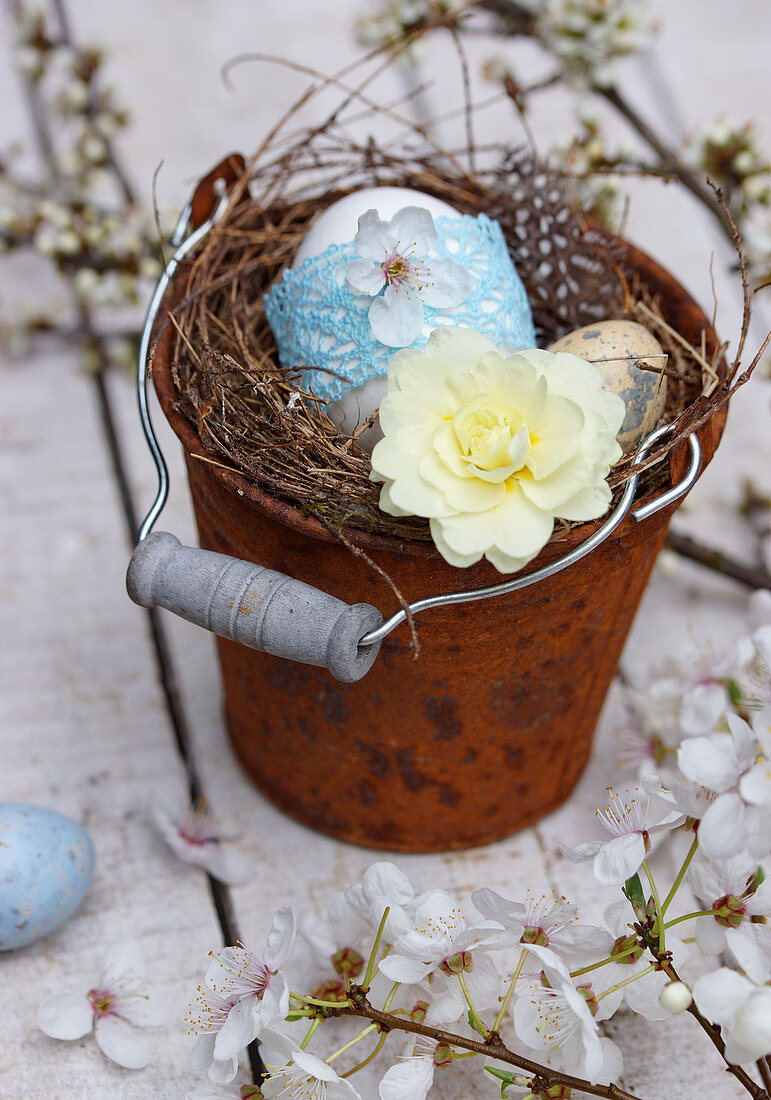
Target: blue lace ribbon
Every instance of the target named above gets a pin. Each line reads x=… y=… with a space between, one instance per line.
x=320 y=325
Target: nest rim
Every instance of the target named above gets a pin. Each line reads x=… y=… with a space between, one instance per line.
x=239 y=483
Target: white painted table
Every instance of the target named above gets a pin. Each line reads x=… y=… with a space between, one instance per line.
x=84 y=724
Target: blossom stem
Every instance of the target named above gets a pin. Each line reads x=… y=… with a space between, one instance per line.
x=659 y=918
x=626 y=981
x=509 y=991
x=390 y=997
x=475 y=1018
x=604 y=962
x=321 y=1004
x=315 y=1025
x=700 y=913
x=353 y=1042
x=680 y=875
x=373 y=953
x=369 y=1058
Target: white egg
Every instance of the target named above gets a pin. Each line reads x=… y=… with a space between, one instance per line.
x=339 y=222
x=337 y=225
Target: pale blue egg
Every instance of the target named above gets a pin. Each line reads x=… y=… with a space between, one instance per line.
x=46 y=865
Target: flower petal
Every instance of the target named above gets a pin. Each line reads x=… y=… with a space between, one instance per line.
x=408 y=1080
x=145 y=1008
x=412 y=228
x=619 y=859
x=124 y=965
x=720 y=995
x=365 y=277
x=709 y=761
x=121 y=1042
x=750 y=945
x=65 y=1016
x=238 y=1030
x=755 y=785
x=281 y=938
x=449 y=284
x=400 y=969
x=722 y=829
x=396 y=317
x=373 y=238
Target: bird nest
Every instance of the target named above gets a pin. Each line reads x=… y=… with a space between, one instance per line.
x=249 y=410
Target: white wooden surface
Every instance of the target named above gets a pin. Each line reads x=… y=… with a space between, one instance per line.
x=82 y=723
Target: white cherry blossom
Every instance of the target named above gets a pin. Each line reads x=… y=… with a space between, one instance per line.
x=560 y=1016
x=401 y=268
x=296 y=1074
x=339 y=938
x=733 y=765
x=196 y=837
x=627 y=818
x=544 y=922
x=730 y=888
x=255 y=986
x=440 y=941
x=384 y=886
x=741 y=1008
x=114 y=1008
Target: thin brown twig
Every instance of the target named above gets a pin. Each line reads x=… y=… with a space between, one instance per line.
x=754 y=576
x=543 y=1077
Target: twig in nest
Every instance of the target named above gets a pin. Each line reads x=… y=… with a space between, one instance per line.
x=403 y=603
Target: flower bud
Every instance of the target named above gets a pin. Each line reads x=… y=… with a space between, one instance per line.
x=675 y=997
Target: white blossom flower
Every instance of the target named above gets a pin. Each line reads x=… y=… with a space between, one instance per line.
x=337 y=937
x=731 y=889
x=256 y=987
x=384 y=886
x=196 y=837
x=385 y=23
x=400 y=267
x=412 y=1076
x=741 y=1008
x=560 y=1016
x=117 y=1005
x=548 y=924
x=492 y=449
x=626 y=817
x=736 y=766
x=588 y=35
x=295 y=1074
x=440 y=941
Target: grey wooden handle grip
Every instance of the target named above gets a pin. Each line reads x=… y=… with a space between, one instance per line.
x=253 y=605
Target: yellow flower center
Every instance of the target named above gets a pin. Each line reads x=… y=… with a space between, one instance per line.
x=492 y=437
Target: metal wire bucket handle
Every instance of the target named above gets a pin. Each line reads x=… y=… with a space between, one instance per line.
x=267 y=610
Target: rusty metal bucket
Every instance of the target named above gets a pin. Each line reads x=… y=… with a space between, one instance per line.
x=491 y=727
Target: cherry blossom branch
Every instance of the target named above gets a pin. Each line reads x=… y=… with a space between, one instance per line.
x=543 y=1077
x=754 y=576
x=664 y=963
x=516 y=20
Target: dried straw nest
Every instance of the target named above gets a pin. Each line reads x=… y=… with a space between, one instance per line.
x=249 y=412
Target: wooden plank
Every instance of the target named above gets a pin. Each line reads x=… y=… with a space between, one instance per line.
x=84 y=731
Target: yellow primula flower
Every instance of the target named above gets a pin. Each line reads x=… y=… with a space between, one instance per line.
x=492 y=447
